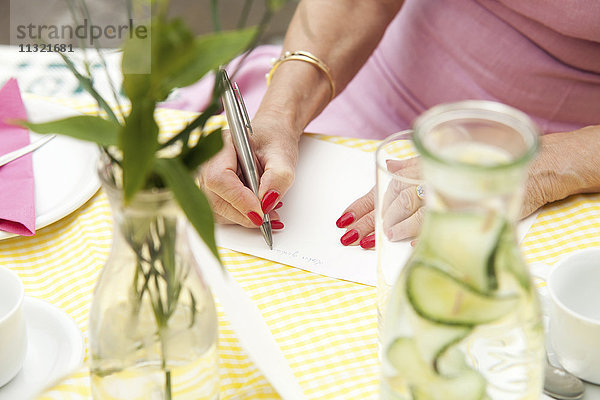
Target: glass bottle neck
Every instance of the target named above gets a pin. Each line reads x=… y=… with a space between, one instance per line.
x=473 y=190
x=475 y=156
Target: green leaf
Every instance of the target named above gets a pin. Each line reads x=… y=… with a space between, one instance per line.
x=136 y=57
x=191 y=199
x=84 y=127
x=182 y=62
x=176 y=57
x=139 y=142
x=168 y=38
x=206 y=147
x=275 y=5
x=136 y=86
x=198 y=122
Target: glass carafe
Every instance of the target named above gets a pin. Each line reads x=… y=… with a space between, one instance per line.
x=153 y=324
x=462 y=321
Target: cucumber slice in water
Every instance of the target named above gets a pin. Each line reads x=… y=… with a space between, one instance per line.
x=437 y=296
x=507 y=257
x=450 y=361
x=425 y=384
x=466 y=242
x=434 y=339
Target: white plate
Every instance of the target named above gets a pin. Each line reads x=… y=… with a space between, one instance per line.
x=54 y=349
x=64 y=169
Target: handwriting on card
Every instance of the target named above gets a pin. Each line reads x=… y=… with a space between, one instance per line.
x=297 y=255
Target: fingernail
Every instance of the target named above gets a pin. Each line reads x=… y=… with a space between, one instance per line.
x=345 y=220
x=278 y=205
x=255 y=218
x=390 y=234
x=349 y=237
x=368 y=242
x=269 y=200
x=276 y=224
x=413 y=243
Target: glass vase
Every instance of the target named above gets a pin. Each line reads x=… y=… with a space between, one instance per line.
x=463 y=320
x=153 y=324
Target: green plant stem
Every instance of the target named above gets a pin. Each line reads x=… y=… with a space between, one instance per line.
x=214 y=13
x=160 y=279
x=168 y=388
x=112 y=158
x=88 y=85
x=129 y=7
x=262 y=27
x=244 y=15
x=198 y=122
x=86 y=15
x=82 y=44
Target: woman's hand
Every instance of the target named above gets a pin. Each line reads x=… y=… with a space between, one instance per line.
x=276 y=149
x=567 y=164
x=402 y=209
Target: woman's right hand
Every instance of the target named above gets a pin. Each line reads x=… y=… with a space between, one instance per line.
x=276 y=147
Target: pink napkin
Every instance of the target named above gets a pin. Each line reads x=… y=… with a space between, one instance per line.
x=17 y=206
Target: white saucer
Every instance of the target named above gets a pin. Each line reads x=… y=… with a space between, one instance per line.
x=592 y=391
x=540 y=271
x=55 y=349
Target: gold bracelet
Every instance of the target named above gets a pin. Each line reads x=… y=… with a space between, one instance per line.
x=306 y=57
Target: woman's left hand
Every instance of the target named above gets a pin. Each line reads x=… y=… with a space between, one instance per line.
x=567 y=164
x=402 y=209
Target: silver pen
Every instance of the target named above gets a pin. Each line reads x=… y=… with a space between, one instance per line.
x=239 y=125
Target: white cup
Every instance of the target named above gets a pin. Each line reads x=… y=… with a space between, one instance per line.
x=13 y=338
x=574 y=287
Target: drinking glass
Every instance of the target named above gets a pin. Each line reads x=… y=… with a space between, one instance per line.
x=398 y=176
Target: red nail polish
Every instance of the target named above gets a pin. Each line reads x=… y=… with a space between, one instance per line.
x=278 y=205
x=255 y=218
x=349 y=237
x=276 y=224
x=269 y=201
x=345 y=220
x=368 y=242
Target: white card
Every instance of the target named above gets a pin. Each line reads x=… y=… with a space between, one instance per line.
x=329 y=177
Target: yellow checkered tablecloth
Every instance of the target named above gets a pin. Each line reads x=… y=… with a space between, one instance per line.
x=326 y=328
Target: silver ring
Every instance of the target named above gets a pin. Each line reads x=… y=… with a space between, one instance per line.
x=420 y=192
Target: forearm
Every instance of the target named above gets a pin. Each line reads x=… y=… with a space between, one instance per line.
x=568 y=163
x=341 y=33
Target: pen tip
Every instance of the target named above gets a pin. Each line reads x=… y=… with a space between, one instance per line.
x=266 y=231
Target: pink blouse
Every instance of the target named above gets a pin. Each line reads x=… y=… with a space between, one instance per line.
x=541 y=56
